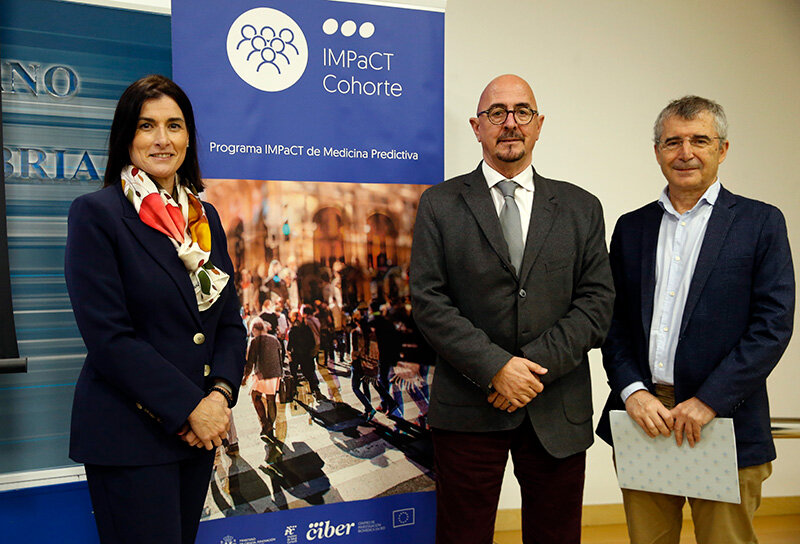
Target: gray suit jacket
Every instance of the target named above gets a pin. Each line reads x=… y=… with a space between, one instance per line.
x=476 y=312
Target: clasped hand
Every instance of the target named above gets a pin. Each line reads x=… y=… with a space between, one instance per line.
x=208 y=423
x=685 y=419
x=516 y=384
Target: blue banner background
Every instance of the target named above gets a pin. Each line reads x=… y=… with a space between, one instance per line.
x=396 y=519
x=63 y=513
x=230 y=111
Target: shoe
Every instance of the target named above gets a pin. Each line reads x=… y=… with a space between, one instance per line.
x=370 y=415
x=269 y=468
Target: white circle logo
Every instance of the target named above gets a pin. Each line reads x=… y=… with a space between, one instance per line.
x=267 y=49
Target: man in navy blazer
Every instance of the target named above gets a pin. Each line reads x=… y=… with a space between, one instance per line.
x=704 y=310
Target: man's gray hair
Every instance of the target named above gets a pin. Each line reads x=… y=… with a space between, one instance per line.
x=690 y=107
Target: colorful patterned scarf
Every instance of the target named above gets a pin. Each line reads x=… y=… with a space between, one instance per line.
x=186 y=226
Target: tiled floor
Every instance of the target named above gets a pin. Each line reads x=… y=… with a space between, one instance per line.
x=324 y=451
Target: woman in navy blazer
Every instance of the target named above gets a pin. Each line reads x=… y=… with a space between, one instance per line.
x=151 y=285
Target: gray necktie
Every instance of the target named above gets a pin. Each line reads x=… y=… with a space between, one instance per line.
x=511 y=223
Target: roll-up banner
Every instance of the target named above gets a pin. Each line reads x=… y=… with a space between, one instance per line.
x=320 y=124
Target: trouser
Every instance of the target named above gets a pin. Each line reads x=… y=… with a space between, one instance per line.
x=326 y=345
x=342 y=343
x=384 y=386
x=656 y=518
x=153 y=503
x=469 y=469
x=309 y=369
x=358 y=383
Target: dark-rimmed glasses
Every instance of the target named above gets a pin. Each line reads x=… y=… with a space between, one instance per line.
x=497 y=115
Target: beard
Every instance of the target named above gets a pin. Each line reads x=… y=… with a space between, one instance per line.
x=509 y=153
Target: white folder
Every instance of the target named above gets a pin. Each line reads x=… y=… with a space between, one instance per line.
x=706 y=471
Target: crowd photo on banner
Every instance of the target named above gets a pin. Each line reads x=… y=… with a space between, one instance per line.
x=336 y=386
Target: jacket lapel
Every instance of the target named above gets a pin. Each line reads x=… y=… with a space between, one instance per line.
x=479 y=200
x=161 y=250
x=543 y=215
x=718 y=224
x=649 y=245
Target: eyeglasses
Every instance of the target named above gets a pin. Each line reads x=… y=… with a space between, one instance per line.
x=696 y=142
x=497 y=115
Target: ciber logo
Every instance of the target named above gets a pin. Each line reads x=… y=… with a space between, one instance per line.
x=227 y=540
x=320 y=530
x=267 y=49
x=402 y=518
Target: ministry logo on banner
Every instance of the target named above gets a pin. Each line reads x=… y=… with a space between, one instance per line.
x=313 y=90
x=267 y=49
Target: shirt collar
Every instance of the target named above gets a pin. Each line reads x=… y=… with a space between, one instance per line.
x=709 y=198
x=493 y=177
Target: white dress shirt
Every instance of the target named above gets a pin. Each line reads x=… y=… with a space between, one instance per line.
x=680 y=238
x=523 y=194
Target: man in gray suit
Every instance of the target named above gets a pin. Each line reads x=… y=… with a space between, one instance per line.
x=511 y=285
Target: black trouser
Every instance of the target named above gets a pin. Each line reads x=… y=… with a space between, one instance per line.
x=307 y=366
x=153 y=503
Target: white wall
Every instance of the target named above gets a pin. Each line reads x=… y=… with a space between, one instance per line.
x=601 y=71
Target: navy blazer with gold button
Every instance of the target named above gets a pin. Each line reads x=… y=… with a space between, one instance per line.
x=151 y=354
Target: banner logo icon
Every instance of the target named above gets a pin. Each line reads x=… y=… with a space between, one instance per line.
x=403 y=518
x=267 y=49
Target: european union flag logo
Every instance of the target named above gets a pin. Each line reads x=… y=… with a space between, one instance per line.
x=403 y=518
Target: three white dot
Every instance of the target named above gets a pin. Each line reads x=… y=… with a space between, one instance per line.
x=348 y=28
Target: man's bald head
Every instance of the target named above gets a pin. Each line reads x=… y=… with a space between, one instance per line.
x=502 y=84
x=507 y=147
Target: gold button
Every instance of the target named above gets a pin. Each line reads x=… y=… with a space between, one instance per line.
x=206 y=370
x=199 y=338
x=139 y=405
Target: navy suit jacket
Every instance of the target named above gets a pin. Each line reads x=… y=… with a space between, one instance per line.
x=736 y=323
x=151 y=355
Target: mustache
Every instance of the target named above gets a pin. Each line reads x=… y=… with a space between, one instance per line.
x=691 y=163
x=511 y=133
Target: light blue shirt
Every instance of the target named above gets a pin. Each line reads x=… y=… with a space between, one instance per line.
x=680 y=237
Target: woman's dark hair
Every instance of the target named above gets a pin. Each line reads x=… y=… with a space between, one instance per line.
x=126 y=119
